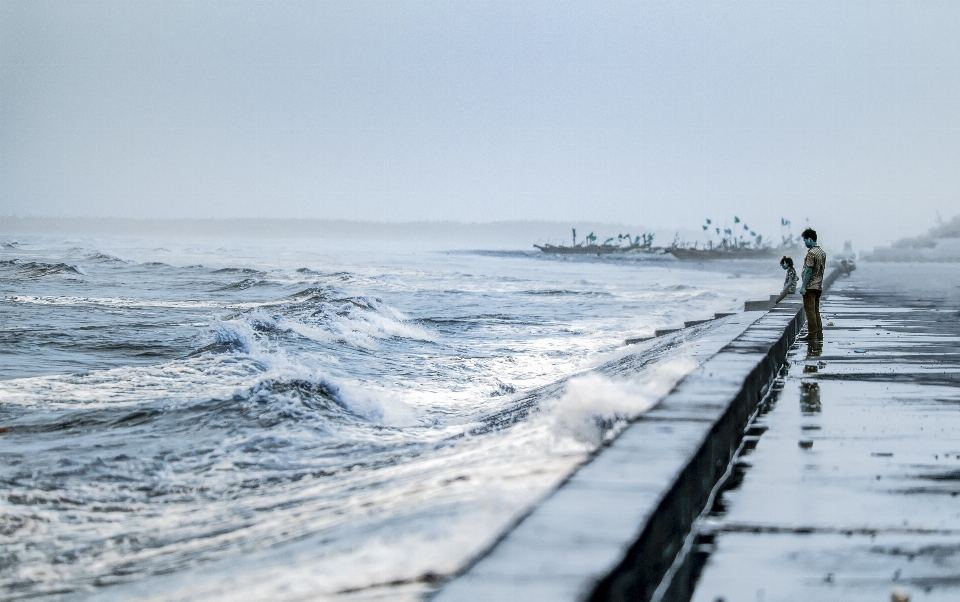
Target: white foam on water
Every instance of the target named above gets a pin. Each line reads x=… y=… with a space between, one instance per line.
x=592 y=403
x=123 y=302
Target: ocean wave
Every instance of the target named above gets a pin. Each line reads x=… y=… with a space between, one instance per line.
x=126 y=398
x=311 y=294
x=86 y=420
x=276 y=401
x=101 y=257
x=96 y=256
x=245 y=284
x=502 y=389
x=39 y=269
x=319 y=314
x=474 y=319
x=244 y=271
x=593 y=406
x=122 y=302
x=142 y=348
x=360 y=322
x=234 y=335
x=568 y=292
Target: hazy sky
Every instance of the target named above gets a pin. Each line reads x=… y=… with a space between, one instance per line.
x=654 y=113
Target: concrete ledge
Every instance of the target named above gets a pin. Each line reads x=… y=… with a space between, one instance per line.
x=761 y=305
x=664 y=331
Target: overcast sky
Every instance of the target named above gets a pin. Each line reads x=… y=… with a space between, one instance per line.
x=652 y=113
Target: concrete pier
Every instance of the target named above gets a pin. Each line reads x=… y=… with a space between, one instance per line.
x=614 y=528
x=850 y=488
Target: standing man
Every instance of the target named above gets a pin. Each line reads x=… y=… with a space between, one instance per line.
x=812 y=286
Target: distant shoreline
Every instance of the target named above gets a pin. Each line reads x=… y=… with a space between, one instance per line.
x=523 y=233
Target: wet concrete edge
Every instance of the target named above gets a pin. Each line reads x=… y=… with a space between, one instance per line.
x=720 y=410
x=645 y=563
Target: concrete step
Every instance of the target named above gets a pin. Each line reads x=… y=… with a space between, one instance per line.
x=762 y=305
x=662 y=331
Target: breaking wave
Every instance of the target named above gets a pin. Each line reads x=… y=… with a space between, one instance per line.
x=593 y=407
x=321 y=315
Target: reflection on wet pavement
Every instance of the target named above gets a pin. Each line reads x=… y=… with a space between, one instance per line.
x=814 y=349
x=810 y=397
x=856 y=496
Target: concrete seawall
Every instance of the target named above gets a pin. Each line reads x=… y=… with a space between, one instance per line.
x=612 y=530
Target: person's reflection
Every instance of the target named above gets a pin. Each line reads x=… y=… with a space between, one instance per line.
x=810 y=397
x=815 y=348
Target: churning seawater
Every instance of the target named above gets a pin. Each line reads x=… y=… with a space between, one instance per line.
x=214 y=419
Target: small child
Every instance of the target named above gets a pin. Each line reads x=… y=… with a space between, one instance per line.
x=790 y=282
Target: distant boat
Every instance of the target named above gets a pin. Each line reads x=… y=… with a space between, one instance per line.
x=583 y=249
x=688 y=254
x=589 y=246
x=644 y=245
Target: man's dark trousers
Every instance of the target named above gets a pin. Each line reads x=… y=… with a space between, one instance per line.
x=811 y=305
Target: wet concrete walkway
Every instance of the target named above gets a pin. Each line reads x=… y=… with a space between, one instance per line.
x=852 y=490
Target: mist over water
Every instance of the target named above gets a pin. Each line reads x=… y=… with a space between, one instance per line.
x=243 y=419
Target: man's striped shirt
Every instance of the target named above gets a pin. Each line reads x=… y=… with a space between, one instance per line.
x=817 y=259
